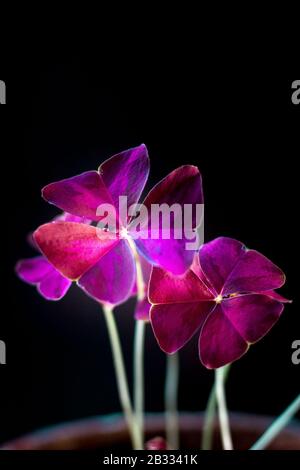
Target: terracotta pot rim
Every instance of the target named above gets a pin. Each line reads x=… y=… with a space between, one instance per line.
x=110 y=430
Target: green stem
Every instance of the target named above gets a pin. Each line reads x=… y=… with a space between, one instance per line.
x=139 y=273
x=138 y=347
x=171 y=398
x=138 y=371
x=277 y=425
x=222 y=409
x=122 y=382
x=210 y=413
x=209 y=417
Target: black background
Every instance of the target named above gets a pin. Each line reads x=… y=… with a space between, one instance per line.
x=65 y=116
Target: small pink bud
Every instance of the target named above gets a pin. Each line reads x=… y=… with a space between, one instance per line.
x=157 y=443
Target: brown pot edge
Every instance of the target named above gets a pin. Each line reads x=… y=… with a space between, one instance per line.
x=106 y=431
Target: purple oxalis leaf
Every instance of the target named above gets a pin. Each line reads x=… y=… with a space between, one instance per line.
x=73 y=248
x=111 y=279
x=182 y=186
x=228 y=294
x=78 y=250
x=39 y=272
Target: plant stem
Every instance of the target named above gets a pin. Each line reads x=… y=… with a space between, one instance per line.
x=277 y=425
x=222 y=409
x=138 y=373
x=139 y=273
x=171 y=398
x=122 y=382
x=209 y=417
x=210 y=412
x=138 y=347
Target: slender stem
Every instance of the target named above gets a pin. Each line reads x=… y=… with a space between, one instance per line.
x=222 y=409
x=210 y=413
x=277 y=425
x=122 y=382
x=139 y=273
x=138 y=371
x=138 y=347
x=171 y=399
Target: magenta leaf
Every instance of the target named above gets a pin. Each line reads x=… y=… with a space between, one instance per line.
x=253 y=273
x=252 y=315
x=80 y=195
x=73 y=248
x=33 y=270
x=54 y=286
x=142 y=309
x=112 y=278
x=274 y=295
x=219 y=342
x=218 y=258
x=166 y=288
x=39 y=272
x=174 y=324
x=182 y=186
x=180 y=305
x=126 y=173
x=228 y=294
